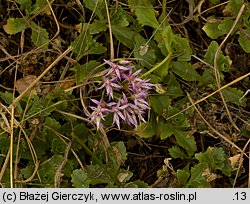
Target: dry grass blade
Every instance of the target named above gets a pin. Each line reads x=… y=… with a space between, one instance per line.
x=16 y=100
x=6 y=53
x=56 y=21
x=5 y=165
x=34 y=157
x=59 y=174
x=11 y=144
x=241 y=162
x=209 y=95
x=217 y=73
x=9 y=158
x=213 y=7
x=212 y=128
x=63 y=138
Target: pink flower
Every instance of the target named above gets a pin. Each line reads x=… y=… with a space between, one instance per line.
x=139 y=100
x=109 y=85
x=131 y=78
x=117 y=69
x=132 y=104
x=117 y=111
x=143 y=84
x=97 y=114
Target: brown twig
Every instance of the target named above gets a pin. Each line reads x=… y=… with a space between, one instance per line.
x=59 y=174
x=241 y=162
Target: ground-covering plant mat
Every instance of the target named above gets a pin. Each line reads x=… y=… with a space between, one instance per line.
x=122 y=93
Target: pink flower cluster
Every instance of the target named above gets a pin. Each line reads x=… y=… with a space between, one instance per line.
x=126 y=94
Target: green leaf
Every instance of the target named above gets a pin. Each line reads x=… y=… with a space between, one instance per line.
x=96 y=6
x=40 y=106
x=80 y=130
x=197 y=180
x=178 y=119
x=223 y=62
x=97 y=175
x=27 y=171
x=185 y=70
x=15 y=25
x=159 y=103
x=227 y=168
x=32 y=8
x=181 y=48
x=97 y=26
x=163 y=69
x=4 y=144
x=119 y=17
x=52 y=123
x=81 y=44
x=211 y=50
x=154 y=79
x=82 y=71
x=235 y=96
x=68 y=168
x=166 y=130
x=38 y=7
x=25 y=4
x=245 y=130
x=7 y=97
x=244 y=40
x=80 y=179
x=148 y=57
x=217 y=29
x=176 y=152
x=6 y=179
x=39 y=36
x=213 y=157
x=183 y=176
x=174 y=92
x=124 y=34
x=84 y=44
x=165 y=38
x=186 y=141
x=145 y=12
x=234 y=6
x=122 y=149
x=145 y=130
x=246 y=20
x=172 y=82
x=58 y=146
x=48 y=169
x=174 y=89
x=40 y=147
x=96 y=48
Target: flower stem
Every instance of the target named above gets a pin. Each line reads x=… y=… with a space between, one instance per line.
x=158 y=65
